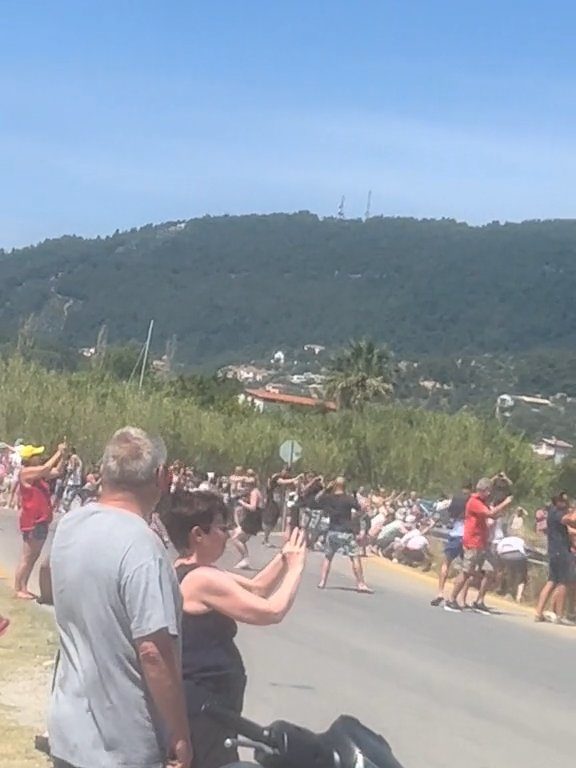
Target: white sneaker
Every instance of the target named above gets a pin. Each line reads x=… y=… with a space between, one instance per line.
x=243 y=565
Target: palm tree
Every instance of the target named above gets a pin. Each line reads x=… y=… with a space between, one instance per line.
x=360 y=374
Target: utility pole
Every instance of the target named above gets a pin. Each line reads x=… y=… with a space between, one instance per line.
x=146 y=351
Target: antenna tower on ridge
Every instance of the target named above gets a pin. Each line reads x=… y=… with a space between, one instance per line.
x=341 y=207
x=368 y=205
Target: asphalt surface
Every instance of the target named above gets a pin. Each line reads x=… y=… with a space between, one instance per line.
x=446 y=690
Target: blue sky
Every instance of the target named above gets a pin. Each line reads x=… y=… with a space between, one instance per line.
x=117 y=114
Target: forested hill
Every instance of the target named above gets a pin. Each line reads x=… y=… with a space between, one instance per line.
x=231 y=287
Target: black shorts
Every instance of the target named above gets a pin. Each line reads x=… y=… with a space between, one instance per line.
x=559 y=568
x=251 y=523
x=294 y=517
x=516 y=564
x=208 y=735
x=38 y=533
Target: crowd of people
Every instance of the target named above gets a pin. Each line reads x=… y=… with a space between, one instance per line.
x=147 y=617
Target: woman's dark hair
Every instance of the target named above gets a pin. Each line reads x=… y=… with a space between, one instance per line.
x=186 y=510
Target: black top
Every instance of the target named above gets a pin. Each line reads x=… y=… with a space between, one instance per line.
x=308 y=500
x=558 y=539
x=457 y=508
x=339 y=507
x=208 y=647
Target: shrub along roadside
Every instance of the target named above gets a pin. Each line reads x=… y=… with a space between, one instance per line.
x=391 y=445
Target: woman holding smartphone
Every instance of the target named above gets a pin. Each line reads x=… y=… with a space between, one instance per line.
x=214 y=600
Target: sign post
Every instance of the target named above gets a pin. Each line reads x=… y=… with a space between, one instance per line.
x=290 y=452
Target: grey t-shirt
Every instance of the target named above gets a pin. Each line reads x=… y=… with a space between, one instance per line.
x=113 y=583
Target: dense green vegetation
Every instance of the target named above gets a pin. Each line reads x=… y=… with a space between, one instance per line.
x=361 y=373
x=236 y=287
x=400 y=447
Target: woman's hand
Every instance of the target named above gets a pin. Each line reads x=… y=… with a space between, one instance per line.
x=294 y=551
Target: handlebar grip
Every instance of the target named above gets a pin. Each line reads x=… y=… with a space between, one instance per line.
x=237 y=723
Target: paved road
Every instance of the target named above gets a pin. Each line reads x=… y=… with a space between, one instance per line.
x=446 y=690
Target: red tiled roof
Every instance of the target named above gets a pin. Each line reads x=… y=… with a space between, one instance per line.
x=281 y=398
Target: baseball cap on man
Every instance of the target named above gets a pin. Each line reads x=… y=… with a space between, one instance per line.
x=28 y=451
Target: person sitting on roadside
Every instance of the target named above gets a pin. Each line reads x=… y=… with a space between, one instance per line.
x=35 y=509
x=214 y=601
x=477 y=545
x=383 y=538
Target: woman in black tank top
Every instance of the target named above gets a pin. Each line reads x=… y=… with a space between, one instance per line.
x=213 y=601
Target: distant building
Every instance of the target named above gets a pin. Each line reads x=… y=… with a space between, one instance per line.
x=316 y=348
x=264 y=400
x=279 y=358
x=245 y=373
x=553 y=448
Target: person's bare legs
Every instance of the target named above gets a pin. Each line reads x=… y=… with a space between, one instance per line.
x=326 y=565
x=461 y=582
x=570 y=599
x=31 y=550
x=267 y=530
x=520 y=591
x=443 y=577
x=484 y=584
x=543 y=598
x=240 y=541
x=358 y=571
x=4 y=624
x=559 y=600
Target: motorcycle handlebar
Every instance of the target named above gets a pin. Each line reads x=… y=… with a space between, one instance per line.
x=239 y=724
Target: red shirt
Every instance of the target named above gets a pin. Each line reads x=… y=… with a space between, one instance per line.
x=35 y=505
x=476 y=523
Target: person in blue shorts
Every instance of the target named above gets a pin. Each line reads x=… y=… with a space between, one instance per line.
x=453 y=547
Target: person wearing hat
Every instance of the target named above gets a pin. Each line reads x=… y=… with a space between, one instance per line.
x=35 y=508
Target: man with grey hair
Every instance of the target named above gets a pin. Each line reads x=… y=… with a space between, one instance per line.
x=476 y=544
x=118 y=700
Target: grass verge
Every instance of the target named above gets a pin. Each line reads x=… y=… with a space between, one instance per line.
x=27 y=652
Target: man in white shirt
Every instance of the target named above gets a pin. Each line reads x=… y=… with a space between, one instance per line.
x=512 y=556
x=414 y=548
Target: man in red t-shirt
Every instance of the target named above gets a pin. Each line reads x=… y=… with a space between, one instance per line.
x=476 y=543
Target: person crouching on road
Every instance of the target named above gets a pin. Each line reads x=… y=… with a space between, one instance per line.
x=414 y=548
x=214 y=600
x=35 y=509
